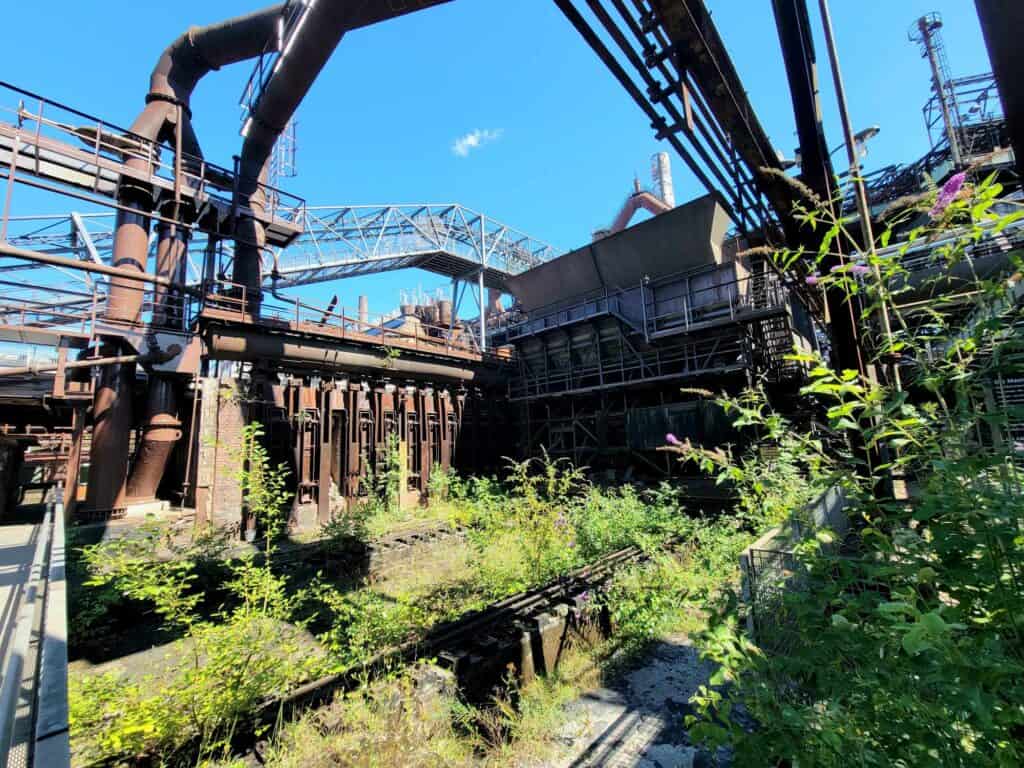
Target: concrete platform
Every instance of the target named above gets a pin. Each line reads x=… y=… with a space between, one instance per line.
x=20 y=616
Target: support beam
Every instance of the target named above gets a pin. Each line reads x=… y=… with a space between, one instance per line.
x=102 y=269
x=1002 y=22
x=794 y=28
x=82 y=232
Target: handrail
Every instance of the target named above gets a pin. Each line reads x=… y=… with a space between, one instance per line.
x=11 y=689
x=322 y=320
x=104 y=149
x=52 y=742
x=767 y=292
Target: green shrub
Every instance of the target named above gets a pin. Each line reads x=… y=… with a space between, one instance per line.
x=906 y=647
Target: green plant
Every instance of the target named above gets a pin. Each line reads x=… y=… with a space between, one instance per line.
x=905 y=647
x=442 y=483
x=222 y=669
x=644 y=600
x=265 y=494
x=390 y=355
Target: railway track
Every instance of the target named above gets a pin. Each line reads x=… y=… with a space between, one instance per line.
x=528 y=631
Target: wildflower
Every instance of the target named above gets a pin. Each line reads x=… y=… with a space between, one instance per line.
x=572 y=544
x=584 y=596
x=812 y=279
x=947 y=194
x=672 y=439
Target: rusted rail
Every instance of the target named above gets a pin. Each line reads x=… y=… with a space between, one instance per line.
x=528 y=630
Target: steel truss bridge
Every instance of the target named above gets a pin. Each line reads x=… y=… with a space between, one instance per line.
x=336 y=242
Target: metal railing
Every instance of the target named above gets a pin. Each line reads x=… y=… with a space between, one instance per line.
x=446 y=238
x=683 y=302
x=75 y=154
x=769 y=568
x=687 y=304
x=157 y=308
x=43 y=701
x=692 y=358
x=235 y=301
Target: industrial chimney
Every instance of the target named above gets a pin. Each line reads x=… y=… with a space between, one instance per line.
x=364 y=313
x=661 y=178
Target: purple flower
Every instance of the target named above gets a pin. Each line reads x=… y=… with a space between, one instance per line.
x=947 y=194
x=672 y=439
x=812 y=279
x=572 y=544
x=860 y=269
x=584 y=596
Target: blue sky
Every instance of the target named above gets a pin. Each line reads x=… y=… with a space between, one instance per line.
x=558 y=140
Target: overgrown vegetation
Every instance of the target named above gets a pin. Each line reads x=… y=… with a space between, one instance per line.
x=905 y=646
x=902 y=644
x=269 y=634
x=224 y=665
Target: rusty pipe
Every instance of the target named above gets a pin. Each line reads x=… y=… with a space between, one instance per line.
x=183 y=63
x=161 y=432
x=87 y=363
x=201 y=50
x=85 y=266
x=111 y=430
x=316 y=36
x=254 y=346
x=171 y=253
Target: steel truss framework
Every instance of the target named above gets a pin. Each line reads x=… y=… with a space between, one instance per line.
x=337 y=242
x=448 y=239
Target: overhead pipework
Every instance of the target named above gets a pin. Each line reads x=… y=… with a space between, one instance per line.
x=1001 y=24
x=312 y=32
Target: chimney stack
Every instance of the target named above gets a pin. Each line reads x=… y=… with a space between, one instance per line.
x=661 y=177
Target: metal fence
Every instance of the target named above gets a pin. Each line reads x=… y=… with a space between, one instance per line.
x=770 y=570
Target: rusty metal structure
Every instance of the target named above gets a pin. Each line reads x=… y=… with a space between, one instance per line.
x=163 y=301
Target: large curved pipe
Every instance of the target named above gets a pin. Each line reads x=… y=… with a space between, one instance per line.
x=167 y=114
x=322 y=28
x=634 y=203
x=181 y=66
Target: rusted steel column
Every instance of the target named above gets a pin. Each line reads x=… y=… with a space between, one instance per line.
x=161 y=432
x=171 y=249
x=1002 y=22
x=112 y=403
x=112 y=424
x=323 y=480
x=162 y=429
x=74 y=460
x=131 y=241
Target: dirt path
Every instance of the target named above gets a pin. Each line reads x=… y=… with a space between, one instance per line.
x=636 y=721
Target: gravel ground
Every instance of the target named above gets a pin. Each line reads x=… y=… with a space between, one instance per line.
x=636 y=721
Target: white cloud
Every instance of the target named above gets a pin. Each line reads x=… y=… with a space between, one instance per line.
x=474 y=140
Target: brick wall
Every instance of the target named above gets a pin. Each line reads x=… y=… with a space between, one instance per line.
x=221 y=418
